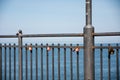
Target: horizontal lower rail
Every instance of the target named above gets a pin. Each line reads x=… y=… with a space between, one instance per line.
x=105 y=47
x=61 y=46
x=42 y=46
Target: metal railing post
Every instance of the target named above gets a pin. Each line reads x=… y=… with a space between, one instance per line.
x=20 y=53
x=0 y=61
x=88 y=44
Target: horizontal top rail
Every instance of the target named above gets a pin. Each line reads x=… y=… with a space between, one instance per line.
x=107 y=34
x=8 y=36
x=61 y=35
x=44 y=35
x=55 y=35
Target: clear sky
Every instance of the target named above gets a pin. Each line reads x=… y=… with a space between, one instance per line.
x=58 y=16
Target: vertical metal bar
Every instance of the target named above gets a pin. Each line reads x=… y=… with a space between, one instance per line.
x=89 y=73
x=36 y=62
x=31 y=63
x=109 y=67
x=14 y=62
x=0 y=61
x=117 y=63
x=41 y=61
x=9 y=61
x=20 y=53
x=58 y=61
x=47 y=64
x=21 y=64
x=53 y=62
x=65 y=62
x=88 y=12
x=26 y=61
x=71 y=69
x=77 y=64
x=101 y=63
x=5 y=63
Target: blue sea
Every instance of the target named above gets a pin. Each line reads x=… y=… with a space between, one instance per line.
x=68 y=70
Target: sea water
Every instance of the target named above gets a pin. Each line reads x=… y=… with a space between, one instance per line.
x=68 y=75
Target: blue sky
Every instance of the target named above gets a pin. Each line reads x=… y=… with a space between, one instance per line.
x=63 y=16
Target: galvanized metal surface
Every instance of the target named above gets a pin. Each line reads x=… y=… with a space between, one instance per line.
x=44 y=35
x=88 y=54
x=64 y=62
x=89 y=73
x=0 y=62
x=14 y=49
x=88 y=12
x=26 y=62
x=117 y=63
x=36 y=49
x=53 y=63
x=78 y=70
x=77 y=64
x=71 y=64
x=109 y=66
x=89 y=69
x=58 y=62
x=9 y=62
x=31 y=64
x=107 y=34
x=61 y=46
x=5 y=64
x=41 y=62
x=20 y=54
x=61 y=35
x=47 y=64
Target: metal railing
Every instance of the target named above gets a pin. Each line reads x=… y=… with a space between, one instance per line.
x=51 y=62
x=88 y=56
